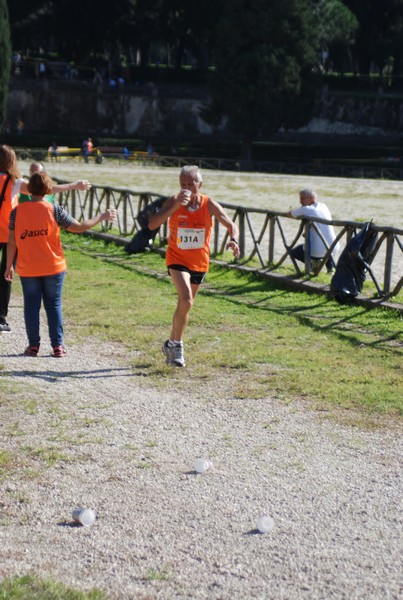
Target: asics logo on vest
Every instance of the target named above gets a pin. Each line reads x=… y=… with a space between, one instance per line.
x=33 y=233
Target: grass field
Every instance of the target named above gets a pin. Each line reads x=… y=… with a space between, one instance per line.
x=264 y=340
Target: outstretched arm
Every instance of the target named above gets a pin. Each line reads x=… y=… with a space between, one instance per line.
x=81 y=184
x=81 y=226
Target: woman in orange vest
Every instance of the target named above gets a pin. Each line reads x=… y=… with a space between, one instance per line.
x=11 y=184
x=34 y=232
x=190 y=217
x=9 y=172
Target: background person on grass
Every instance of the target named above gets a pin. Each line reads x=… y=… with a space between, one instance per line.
x=190 y=217
x=310 y=207
x=35 y=167
x=34 y=232
x=13 y=184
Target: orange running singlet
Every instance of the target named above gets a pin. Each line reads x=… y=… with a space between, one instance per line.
x=189 y=237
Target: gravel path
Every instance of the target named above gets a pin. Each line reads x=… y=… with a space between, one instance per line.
x=86 y=431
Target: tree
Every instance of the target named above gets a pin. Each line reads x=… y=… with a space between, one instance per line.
x=264 y=55
x=5 y=58
x=380 y=32
x=29 y=24
x=189 y=26
x=337 y=27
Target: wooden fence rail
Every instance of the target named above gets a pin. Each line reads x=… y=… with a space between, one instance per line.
x=266 y=237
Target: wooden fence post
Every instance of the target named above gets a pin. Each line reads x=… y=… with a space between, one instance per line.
x=388 y=262
x=272 y=229
x=242 y=241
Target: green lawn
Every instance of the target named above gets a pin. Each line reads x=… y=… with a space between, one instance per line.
x=266 y=341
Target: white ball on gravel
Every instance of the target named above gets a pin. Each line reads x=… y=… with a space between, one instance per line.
x=264 y=524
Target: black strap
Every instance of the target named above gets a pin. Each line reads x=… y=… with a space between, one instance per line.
x=3 y=191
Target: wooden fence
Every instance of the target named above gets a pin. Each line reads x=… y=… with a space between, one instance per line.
x=266 y=237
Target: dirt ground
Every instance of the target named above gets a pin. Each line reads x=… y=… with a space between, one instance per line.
x=87 y=431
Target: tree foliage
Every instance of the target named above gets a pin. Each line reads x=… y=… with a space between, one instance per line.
x=380 y=32
x=5 y=57
x=369 y=30
x=263 y=55
x=335 y=22
x=77 y=29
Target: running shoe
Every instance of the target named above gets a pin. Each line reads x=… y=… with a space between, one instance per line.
x=168 y=351
x=31 y=351
x=178 y=358
x=5 y=327
x=59 y=351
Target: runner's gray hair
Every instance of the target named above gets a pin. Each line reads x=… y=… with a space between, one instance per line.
x=191 y=170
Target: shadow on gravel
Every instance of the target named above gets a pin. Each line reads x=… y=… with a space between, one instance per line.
x=57 y=375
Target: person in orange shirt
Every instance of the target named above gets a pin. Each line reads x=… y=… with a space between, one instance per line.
x=34 y=237
x=190 y=215
x=11 y=184
x=87 y=148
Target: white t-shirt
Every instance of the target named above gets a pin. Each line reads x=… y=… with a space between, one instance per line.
x=17 y=186
x=320 y=211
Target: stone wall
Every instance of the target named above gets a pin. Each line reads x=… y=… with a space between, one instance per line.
x=50 y=106
x=150 y=110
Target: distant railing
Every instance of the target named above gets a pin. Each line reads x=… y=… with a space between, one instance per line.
x=265 y=237
x=352 y=170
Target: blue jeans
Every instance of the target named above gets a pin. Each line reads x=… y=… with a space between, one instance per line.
x=50 y=289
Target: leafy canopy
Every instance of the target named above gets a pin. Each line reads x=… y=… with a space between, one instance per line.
x=5 y=57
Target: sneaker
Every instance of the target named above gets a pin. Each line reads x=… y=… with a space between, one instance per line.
x=168 y=351
x=31 y=351
x=178 y=358
x=59 y=351
x=5 y=327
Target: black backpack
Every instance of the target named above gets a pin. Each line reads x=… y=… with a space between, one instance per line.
x=143 y=239
x=353 y=264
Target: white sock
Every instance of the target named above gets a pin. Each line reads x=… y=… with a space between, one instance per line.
x=178 y=342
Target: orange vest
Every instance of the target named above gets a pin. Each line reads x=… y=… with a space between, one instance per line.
x=189 y=237
x=37 y=236
x=5 y=208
